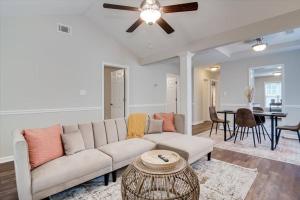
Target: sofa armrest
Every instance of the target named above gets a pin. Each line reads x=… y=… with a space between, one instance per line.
x=22 y=166
x=180 y=123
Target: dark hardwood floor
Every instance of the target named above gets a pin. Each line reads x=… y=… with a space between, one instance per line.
x=275 y=180
x=8 y=190
x=200 y=128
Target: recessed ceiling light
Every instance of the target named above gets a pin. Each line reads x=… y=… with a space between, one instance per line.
x=259 y=46
x=279 y=67
x=215 y=68
x=277 y=73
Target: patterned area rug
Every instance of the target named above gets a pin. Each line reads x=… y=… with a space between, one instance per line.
x=288 y=150
x=218 y=181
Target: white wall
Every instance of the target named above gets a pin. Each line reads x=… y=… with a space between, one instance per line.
x=150 y=87
x=259 y=91
x=42 y=72
x=235 y=78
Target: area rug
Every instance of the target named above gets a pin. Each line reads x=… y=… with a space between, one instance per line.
x=218 y=181
x=288 y=150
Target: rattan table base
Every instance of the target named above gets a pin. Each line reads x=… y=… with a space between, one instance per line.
x=142 y=183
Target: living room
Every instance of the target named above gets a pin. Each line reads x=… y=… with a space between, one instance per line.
x=53 y=56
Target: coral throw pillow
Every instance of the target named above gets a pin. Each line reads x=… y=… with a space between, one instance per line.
x=168 y=121
x=44 y=144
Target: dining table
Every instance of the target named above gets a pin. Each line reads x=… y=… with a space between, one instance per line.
x=274 y=116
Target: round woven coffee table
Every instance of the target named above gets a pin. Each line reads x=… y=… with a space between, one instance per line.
x=160 y=175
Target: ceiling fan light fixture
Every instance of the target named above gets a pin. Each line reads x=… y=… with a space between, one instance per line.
x=150 y=11
x=259 y=46
x=150 y=16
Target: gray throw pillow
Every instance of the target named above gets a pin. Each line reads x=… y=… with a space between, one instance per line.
x=155 y=126
x=73 y=142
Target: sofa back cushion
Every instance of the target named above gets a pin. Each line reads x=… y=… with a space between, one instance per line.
x=70 y=128
x=86 y=131
x=87 y=135
x=99 y=134
x=121 y=128
x=179 y=123
x=44 y=144
x=111 y=131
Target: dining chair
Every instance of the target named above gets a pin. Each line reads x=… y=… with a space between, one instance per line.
x=245 y=120
x=216 y=120
x=287 y=128
x=260 y=121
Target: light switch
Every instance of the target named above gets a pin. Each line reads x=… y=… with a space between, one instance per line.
x=82 y=92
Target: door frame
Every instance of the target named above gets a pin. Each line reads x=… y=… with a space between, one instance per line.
x=126 y=92
x=177 y=90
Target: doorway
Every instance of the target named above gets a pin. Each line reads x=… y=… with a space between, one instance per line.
x=172 y=98
x=206 y=92
x=268 y=84
x=114 y=92
x=210 y=96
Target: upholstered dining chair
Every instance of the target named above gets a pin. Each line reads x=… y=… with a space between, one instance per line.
x=260 y=122
x=287 y=128
x=216 y=120
x=245 y=120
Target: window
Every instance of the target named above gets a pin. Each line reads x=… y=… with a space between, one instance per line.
x=272 y=93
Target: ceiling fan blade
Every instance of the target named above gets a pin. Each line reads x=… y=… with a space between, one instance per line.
x=136 y=24
x=164 y=25
x=120 y=7
x=180 y=7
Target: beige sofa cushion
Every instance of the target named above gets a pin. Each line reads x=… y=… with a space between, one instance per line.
x=70 y=128
x=156 y=138
x=191 y=148
x=124 y=152
x=99 y=134
x=67 y=168
x=87 y=135
x=122 y=129
x=111 y=131
x=73 y=142
x=86 y=132
x=179 y=123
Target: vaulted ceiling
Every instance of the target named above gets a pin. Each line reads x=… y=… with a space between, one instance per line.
x=213 y=17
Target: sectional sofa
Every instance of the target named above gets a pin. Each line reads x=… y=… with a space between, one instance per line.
x=106 y=151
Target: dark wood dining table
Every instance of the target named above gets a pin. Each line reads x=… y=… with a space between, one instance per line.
x=274 y=122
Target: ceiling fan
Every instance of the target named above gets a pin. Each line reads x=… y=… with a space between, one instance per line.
x=151 y=13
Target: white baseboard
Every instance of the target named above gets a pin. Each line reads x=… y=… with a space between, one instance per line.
x=6 y=159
